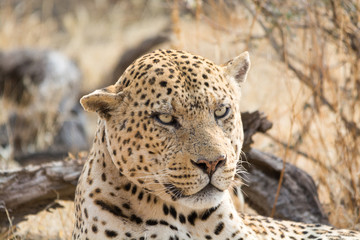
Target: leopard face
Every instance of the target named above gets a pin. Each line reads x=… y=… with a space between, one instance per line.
x=173 y=125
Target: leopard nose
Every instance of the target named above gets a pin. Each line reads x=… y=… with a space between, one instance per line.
x=209 y=166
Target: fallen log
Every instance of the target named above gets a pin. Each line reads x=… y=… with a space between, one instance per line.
x=35 y=188
x=298 y=199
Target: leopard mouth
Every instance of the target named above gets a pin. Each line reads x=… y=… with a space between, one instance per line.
x=177 y=193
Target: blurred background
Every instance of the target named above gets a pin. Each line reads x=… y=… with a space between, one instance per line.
x=305 y=76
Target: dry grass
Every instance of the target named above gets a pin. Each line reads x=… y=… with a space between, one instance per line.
x=315 y=135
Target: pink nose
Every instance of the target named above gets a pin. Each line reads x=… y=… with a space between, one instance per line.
x=210 y=167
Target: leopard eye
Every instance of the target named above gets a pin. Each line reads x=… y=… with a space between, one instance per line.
x=166 y=119
x=221 y=112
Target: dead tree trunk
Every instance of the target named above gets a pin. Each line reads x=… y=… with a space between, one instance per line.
x=298 y=199
x=36 y=188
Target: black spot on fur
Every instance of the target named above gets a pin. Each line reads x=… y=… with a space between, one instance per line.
x=173 y=212
x=162 y=222
x=192 y=217
x=138 y=135
x=127 y=187
x=208 y=213
x=173 y=227
x=110 y=233
x=103 y=177
x=182 y=218
x=136 y=219
x=152 y=80
x=141 y=195
x=219 y=228
x=151 y=222
x=165 y=209
x=163 y=83
x=134 y=189
x=113 y=209
x=126 y=205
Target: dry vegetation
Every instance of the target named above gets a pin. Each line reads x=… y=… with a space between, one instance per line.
x=305 y=73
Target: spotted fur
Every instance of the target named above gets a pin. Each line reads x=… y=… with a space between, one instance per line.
x=164 y=157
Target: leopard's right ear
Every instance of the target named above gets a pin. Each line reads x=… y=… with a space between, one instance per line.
x=238 y=67
x=103 y=101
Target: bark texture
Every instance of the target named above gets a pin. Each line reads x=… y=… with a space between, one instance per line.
x=298 y=198
x=35 y=188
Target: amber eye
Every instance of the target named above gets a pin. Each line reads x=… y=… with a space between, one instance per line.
x=221 y=112
x=166 y=119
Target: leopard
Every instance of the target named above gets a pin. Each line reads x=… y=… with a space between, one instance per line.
x=165 y=154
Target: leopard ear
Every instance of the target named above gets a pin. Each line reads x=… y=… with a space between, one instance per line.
x=238 y=67
x=102 y=101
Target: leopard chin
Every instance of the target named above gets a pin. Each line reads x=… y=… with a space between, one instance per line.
x=207 y=197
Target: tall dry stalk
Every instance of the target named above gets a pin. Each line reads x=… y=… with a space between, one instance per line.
x=327 y=62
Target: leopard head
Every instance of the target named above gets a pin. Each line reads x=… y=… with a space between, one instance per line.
x=173 y=125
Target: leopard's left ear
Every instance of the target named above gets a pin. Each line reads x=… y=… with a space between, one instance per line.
x=103 y=101
x=238 y=67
